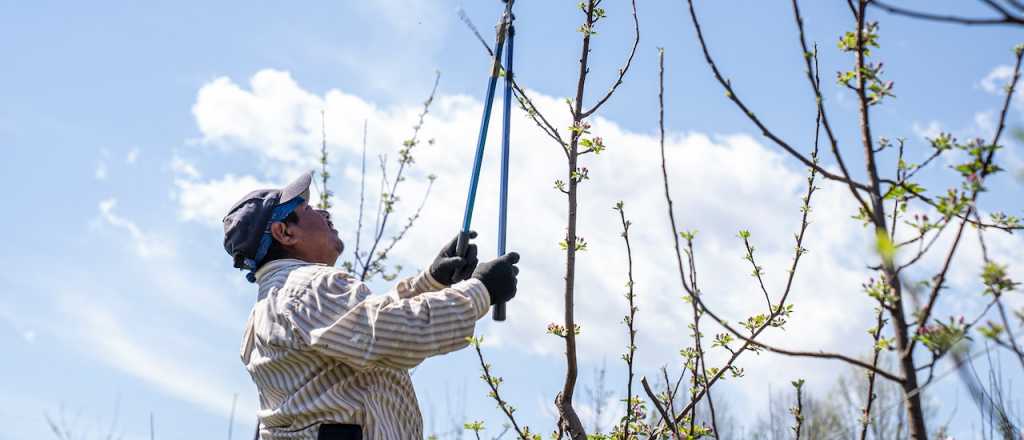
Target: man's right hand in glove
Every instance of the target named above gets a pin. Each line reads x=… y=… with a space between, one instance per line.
x=499 y=276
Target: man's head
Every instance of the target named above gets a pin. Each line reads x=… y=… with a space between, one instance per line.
x=307 y=234
x=279 y=223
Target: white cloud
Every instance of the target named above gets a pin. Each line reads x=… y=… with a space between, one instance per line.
x=132 y=156
x=930 y=130
x=18 y=323
x=208 y=202
x=100 y=333
x=184 y=169
x=998 y=78
x=145 y=246
x=720 y=184
x=101 y=171
x=984 y=124
x=277 y=117
x=996 y=82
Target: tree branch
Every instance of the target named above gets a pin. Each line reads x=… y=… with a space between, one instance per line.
x=866 y=417
x=661 y=408
x=493 y=383
x=383 y=255
x=405 y=158
x=985 y=171
x=815 y=81
x=1006 y=19
x=623 y=70
x=362 y=197
x=694 y=294
x=731 y=94
x=521 y=97
x=629 y=320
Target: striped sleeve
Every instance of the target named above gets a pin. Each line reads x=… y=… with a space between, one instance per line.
x=340 y=319
x=412 y=286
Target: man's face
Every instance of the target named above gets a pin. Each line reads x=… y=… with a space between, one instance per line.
x=315 y=239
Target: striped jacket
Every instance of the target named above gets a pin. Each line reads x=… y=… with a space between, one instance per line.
x=322 y=350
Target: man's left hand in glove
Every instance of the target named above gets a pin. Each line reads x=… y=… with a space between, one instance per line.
x=449 y=268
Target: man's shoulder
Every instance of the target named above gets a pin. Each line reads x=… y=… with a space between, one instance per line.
x=297 y=276
x=291 y=271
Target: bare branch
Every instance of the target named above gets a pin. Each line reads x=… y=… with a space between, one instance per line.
x=521 y=97
x=325 y=193
x=816 y=354
x=731 y=94
x=866 y=415
x=535 y=114
x=570 y=420
x=930 y=202
x=362 y=196
x=691 y=288
x=998 y=300
x=798 y=410
x=623 y=70
x=661 y=408
x=404 y=159
x=812 y=72
x=629 y=320
x=493 y=383
x=383 y=255
x=1006 y=19
x=469 y=23
x=940 y=278
x=758 y=272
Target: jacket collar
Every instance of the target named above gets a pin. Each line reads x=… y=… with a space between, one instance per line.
x=274 y=266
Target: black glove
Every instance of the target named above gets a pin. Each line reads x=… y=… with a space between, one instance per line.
x=449 y=268
x=499 y=276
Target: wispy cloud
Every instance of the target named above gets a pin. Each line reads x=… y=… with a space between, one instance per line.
x=100 y=333
x=927 y=131
x=997 y=79
x=100 y=172
x=132 y=156
x=145 y=246
x=183 y=168
x=18 y=324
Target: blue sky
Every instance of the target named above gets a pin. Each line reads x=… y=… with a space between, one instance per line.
x=127 y=127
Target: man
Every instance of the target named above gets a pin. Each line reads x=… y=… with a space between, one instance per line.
x=331 y=362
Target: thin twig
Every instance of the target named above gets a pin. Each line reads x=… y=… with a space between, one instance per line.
x=671 y=396
x=383 y=254
x=405 y=158
x=866 y=415
x=623 y=70
x=661 y=408
x=815 y=81
x=799 y=250
x=362 y=196
x=985 y=171
x=325 y=193
x=521 y=97
x=469 y=23
x=731 y=94
x=798 y=411
x=1008 y=328
x=493 y=383
x=629 y=320
x=1004 y=20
